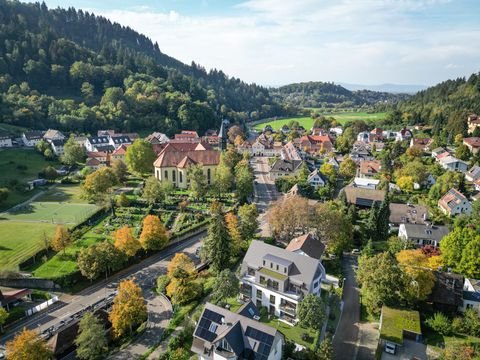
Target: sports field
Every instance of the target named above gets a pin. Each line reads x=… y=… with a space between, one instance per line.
x=307 y=122
x=22 y=230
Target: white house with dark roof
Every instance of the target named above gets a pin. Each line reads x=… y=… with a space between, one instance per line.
x=452 y=163
x=32 y=138
x=471 y=295
x=221 y=334
x=5 y=141
x=282 y=167
x=422 y=235
x=278 y=279
x=316 y=179
x=454 y=203
x=57 y=146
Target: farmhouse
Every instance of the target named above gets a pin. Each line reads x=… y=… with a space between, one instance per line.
x=224 y=335
x=279 y=279
x=454 y=203
x=173 y=162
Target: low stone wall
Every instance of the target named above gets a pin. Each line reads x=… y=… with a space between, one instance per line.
x=30 y=283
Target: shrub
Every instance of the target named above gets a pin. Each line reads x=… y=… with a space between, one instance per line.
x=162 y=283
x=440 y=323
x=457 y=325
x=471 y=322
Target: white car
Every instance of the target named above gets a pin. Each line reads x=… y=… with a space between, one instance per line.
x=390 y=348
x=355 y=251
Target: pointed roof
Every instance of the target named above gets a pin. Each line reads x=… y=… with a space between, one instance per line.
x=308 y=244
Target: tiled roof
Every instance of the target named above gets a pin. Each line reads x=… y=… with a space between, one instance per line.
x=370 y=166
x=472 y=141
x=362 y=196
x=451 y=199
x=177 y=158
x=308 y=244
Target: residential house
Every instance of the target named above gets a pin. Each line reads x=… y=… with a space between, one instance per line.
x=32 y=138
x=376 y=134
x=365 y=183
x=283 y=167
x=389 y=135
x=285 y=129
x=265 y=146
x=94 y=164
x=118 y=140
x=362 y=197
x=314 y=144
x=422 y=144
x=102 y=159
x=369 y=168
x=52 y=134
x=454 y=203
x=291 y=152
x=5 y=141
x=477 y=184
x=360 y=152
x=473 y=121
x=334 y=162
x=473 y=144
x=403 y=135
x=119 y=153
x=399 y=327
x=438 y=151
x=221 y=334
x=157 y=138
x=93 y=143
x=337 y=131
x=422 y=234
x=268 y=129
x=471 y=295
x=187 y=136
x=407 y=214
x=278 y=279
x=316 y=179
x=307 y=245
x=453 y=164
x=107 y=132
x=80 y=139
x=363 y=136
x=473 y=174
x=173 y=162
x=57 y=146
x=316 y=131
x=447 y=294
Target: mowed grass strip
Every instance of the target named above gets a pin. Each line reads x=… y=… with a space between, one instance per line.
x=20 y=240
x=53 y=212
x=63 y=193
x=307 y=122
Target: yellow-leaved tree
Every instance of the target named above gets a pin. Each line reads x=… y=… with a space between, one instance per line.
x=180 y=271
x=154 y=236
x=231 y=221
x=61 y=239
x=125 y=241
x=27 y=345
x=129 y=309
x=418 y=277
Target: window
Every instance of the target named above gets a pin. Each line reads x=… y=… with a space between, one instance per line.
x=272 y=299
x=315 y=284
x=174 y=176
x=262 y=280
x=251 y=271
x=259 y=293
x=180 y=174
x=277 y=267
x=212 y=327
x=166 y=174
x=275 y=285
x=263 y=262
x=158 y=174
x=285 y=270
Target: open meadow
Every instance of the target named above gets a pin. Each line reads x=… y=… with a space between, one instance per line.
x=307 y=122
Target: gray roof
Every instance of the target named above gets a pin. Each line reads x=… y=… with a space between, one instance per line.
x=97 y=140
x=121 y=139
x=303 y=270
x=407 y=213
x=248 y=338
x=428 y=232
x=34 y=134
x=286 y=165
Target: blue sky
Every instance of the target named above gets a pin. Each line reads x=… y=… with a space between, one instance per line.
x=274 y=42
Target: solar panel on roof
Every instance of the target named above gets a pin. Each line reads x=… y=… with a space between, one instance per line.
x=213 y=316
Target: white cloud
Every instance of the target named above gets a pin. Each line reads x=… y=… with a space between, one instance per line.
x=276 y=42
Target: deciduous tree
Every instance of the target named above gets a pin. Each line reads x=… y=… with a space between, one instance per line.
x=91 y=340
x=73 y=152
x=3 y=317
x=243 y=180
x=140 y=157
x=27 y=345
x=181 y=287
x=99 y=183
x=198 y=181
x=418 y=279
x=223 y=177
x=154 y=236
x=120 y=169
x=61 y=239
x=311 y=312
x=248 y=222
x=231 y=222
x=125 y=241
x=348 y=168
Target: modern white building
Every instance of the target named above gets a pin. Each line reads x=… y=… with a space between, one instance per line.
x=57 y=146
x=278 y=279
x=224 y=335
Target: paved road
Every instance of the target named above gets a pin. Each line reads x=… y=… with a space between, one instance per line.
x=145 y=274
x=265 y=192
x=345 y=340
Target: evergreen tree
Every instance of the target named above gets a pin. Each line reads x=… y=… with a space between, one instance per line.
x=217 y=246
x=91 y=340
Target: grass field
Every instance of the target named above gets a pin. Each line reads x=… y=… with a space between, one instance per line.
x=20 y=166
x=307 y=122
x=22 y=231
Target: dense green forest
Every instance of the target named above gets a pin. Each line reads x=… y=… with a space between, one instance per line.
x=73 y=70
x=326 y=94
x=445 y=106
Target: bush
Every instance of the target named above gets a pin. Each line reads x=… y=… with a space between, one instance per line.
x=40 y=295
x=457 y=325
x=162 y=283
x=471 y=322
x=15 y=314
x=263 y=312
x=440 y=323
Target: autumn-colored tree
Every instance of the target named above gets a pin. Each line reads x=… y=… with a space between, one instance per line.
x=418 y=279
x=181 y=288
x=129 y=308
x=99 y=183
x=289 y=215
x=405 y=183
x=231 y=221
x=120 y=169
x=223 y=177
x=125 y=241
x=328 y=170
x=27 y=345
x=154 y=236
x=348 y=168
x=61 y=239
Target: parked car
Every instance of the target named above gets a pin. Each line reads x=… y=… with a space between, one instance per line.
x=390 y=348
x=355 y=251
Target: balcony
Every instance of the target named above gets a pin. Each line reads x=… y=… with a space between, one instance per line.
x=290 y=309
x=246 y=290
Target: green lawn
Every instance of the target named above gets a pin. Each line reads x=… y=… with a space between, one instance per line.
x=396 y=321
x=19 y=241
x=54 y=212
x=294 y=333
x=307 y=122
x=20 y=166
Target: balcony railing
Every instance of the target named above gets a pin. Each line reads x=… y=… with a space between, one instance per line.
x=288 y=309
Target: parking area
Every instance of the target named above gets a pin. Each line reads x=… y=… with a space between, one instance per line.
x=410 y=350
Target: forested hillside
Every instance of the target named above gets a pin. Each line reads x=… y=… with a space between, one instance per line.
x=444 y=106
x=325 y=94
x=76 y=71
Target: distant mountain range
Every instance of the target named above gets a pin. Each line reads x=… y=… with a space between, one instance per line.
x=390 y=88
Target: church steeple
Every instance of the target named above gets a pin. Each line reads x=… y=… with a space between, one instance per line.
x=222 y=136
